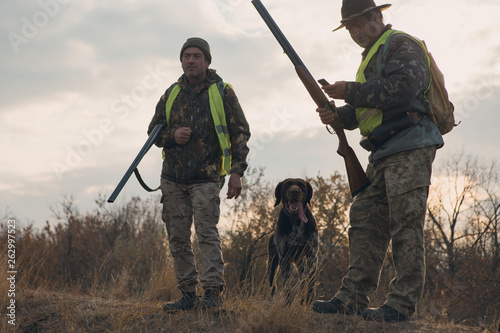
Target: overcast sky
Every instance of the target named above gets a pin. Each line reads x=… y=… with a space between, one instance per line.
x=80 y=80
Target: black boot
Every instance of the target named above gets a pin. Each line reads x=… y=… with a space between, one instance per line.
x=212 y=299
x=188 y=301
x=334 y=306
x=385 y=313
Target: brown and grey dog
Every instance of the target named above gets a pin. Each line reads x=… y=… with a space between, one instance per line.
x=295 y=238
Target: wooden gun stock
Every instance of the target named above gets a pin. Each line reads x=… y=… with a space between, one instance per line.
x=356 y=176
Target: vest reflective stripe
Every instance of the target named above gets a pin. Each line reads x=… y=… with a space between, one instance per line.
x=170 y=101
x=369 y=118
x=219 y=119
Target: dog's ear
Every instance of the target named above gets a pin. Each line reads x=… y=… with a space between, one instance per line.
x=309 y=193
x=277 y=193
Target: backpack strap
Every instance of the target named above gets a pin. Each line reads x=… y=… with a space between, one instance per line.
x=221 y=85
x=381 y=55
x=422 y=97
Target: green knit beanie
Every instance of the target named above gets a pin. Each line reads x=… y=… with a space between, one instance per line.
x=199 y=43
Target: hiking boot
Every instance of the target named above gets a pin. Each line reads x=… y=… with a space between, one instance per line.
x=211 y=299
x=385 y=313
x=186 y=302
x=334 y=305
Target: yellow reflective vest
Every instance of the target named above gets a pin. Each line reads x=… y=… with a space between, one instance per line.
x=368 y=118
x=219 y=118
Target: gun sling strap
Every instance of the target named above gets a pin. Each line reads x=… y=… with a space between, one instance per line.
x=143 y=184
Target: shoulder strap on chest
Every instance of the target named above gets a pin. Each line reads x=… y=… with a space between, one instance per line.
x=381 y=56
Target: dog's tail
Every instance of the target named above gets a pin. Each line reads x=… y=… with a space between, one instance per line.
x=272 y=263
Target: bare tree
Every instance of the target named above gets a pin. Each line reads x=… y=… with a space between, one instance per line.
x=485 y=227
x=464 y=210
x=450 y=205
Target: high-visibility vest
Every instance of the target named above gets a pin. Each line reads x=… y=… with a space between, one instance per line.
x=219 y=117
x=368 y=118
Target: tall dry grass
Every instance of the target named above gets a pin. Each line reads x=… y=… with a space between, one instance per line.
x=110 y=271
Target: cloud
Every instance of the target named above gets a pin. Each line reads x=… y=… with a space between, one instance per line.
x=77 y=96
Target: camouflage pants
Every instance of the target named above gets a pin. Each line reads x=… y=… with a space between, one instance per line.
x=181 y=205
x=393 y=209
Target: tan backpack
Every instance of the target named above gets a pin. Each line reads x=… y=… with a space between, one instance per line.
x=441 y=109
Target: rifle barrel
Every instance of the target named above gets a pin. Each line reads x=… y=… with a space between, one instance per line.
x=149 y=142
x=358 y=180
x=278 y=34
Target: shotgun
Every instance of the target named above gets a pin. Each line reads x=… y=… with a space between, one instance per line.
x=356 y=176
x=133 y=167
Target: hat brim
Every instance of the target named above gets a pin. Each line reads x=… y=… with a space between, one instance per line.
x=355 y=16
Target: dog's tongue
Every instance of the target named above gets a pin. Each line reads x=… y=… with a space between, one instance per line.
x=302 y=216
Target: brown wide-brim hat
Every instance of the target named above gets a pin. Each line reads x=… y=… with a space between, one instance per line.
x=352 y=9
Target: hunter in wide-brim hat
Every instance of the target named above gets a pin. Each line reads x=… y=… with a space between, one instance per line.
x=352 y=9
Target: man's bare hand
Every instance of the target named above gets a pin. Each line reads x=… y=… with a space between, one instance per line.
x=234 y=186
x=327 y=116
x=336 y=90
x=182 y=135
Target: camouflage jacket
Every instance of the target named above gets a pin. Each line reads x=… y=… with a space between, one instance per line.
x=398 y=86
x=199 y=159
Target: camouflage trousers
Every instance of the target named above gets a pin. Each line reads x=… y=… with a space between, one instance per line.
x=393 y=209
x=181 y=205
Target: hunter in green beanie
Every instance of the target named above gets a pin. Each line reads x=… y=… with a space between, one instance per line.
x=199 y=43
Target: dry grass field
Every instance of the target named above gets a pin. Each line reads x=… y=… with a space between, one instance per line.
x=109 y=270
x=43 y=311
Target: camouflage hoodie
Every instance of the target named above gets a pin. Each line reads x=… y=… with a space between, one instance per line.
x=199 y=159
